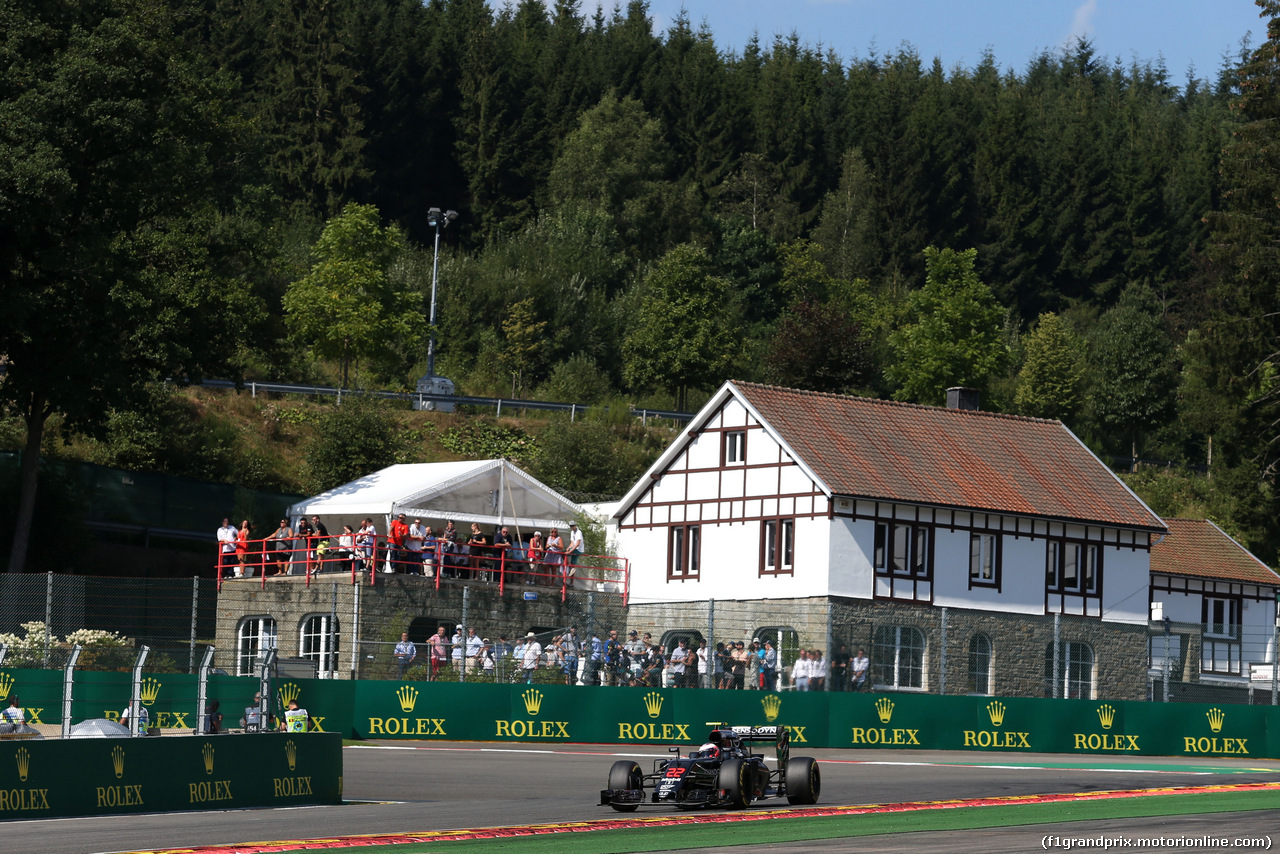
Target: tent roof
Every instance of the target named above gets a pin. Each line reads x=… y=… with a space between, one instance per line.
x=486 y=491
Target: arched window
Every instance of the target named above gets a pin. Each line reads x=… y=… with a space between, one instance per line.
x=319 y=642
x=254 y=635
x=897 y=657
x=979 y=664
x=1074 y=679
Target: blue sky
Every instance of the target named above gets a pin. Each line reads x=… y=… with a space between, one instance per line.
x=1183 y=32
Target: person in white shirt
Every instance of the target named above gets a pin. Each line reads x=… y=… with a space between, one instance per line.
x=817 y=671
x=704 y=663
x=227 y=547
x=459 y=641
x=413 y=542
x=676 y=664
x=800 y=671
x=858 y=672
x=532 y=655
x=576 y=547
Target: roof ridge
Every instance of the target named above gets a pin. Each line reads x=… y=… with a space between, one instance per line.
x=893 y=403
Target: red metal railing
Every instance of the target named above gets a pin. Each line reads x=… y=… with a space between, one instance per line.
x=305 y=557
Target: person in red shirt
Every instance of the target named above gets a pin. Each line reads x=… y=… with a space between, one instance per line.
x=398 y=533
x=242 y=549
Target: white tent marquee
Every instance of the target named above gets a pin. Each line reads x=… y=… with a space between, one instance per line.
x=491 y=492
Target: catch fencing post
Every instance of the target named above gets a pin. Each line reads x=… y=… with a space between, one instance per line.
x=942 y=656
x=48 y=615
x=711 y=643
x=1057 y=663
x=68 y=676
x=195 y=605
x=135 y=692
x=202 y=689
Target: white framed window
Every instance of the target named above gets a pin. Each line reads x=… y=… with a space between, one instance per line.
x=318 y=641
x=1072 y=566
x=980 y=670
x=984 y=560
x=777 y=546
x=735 y=447
x=1075 y=671
x=684 y=552
x=897 y=657
x=254 y=635
x=1220 y=648
x=903 y=549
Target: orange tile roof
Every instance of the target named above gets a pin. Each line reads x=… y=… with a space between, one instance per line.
x=1200 y=548
x=965 y=459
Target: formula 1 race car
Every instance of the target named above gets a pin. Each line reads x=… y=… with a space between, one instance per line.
x=723 y=772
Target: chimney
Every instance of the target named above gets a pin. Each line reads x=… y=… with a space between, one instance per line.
x=959 y=397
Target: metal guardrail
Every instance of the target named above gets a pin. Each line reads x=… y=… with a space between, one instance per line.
x=421 y=397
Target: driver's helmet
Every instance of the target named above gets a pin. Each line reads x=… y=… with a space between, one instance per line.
x=710 y=750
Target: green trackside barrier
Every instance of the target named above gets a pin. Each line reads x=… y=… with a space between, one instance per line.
x=109 y=776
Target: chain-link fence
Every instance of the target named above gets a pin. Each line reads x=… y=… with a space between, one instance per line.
x=478 y=630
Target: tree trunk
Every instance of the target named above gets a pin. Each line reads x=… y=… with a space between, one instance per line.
x=28 y=479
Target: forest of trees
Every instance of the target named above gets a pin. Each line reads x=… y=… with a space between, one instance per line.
x=243 y=189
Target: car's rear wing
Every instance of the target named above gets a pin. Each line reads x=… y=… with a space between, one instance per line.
x=758 y=733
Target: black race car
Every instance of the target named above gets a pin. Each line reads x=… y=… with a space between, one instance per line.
x=722 y=773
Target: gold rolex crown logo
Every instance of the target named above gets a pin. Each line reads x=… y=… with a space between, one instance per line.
x=996 y=710
x=289 y=692
x=884 y=708
x=207 y=750
x=772 y=705
x=1216 y=717
x=24 y=763
x=1106 y=715
x=291 y=753
x=408 y=697
x=6 y=685
x=150 y=690
x=653 y=703
x=532 y=701
x=117 y=760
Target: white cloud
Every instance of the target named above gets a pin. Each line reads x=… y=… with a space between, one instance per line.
x=1082 y=21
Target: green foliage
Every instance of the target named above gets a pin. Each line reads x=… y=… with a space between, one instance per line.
x=1134 y=377
x=584 y=457
x=686 y=332
x=102 y=650
x=525 y=343
x=481 y=439
x=818 y=346
x=351 y=305
x=953 y=335
x=1051 y=382
x=354 y=439
x=576 y=380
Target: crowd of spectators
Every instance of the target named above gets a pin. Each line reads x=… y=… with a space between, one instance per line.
x=604 y=658
x=411 y=549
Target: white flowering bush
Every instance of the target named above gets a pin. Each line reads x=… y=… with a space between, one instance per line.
x=102 y=650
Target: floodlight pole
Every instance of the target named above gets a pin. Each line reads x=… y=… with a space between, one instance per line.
x=439 y=220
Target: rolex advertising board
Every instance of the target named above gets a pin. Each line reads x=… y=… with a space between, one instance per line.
x=106 y=776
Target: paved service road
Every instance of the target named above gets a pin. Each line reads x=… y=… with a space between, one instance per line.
x=407 y=787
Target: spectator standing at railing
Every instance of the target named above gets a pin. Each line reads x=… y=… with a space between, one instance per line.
x=405 y=653
x=676 y=664
x=398 y=534
x=502 y=543
x=704 y=665
x=555 y=553
x=576 y=547
x=800 y=671
x=858 y=669
x=571 y=649
x=612 y=658
x=459 y=642
x=739 y=671
x=430 y=552
x=595 y=660
x=413 y=542
x=817 y=671
x=242 y=551
x=366 y=542
x=532 y=655
x=281 y=547
x=502 y=655
x=474 y=642
x=302 y=546
x=347 y=546
x=635 y=654
x=753 y=666
x=227 y=546
x=476 y=547
x=436 y=649
x=840 y=669
x=535 y=556
x=654 y=665
x=769 y=670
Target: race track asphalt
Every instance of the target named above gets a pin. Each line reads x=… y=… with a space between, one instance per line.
x=410 y=787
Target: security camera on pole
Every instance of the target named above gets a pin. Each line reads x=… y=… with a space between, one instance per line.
x=431 y=384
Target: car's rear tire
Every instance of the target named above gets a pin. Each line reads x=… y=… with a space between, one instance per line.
x=735 y=779
x=804 y=780
x=625 y=774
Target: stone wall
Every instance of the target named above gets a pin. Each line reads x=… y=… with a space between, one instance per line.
x=399 y=603
x=1018 y=646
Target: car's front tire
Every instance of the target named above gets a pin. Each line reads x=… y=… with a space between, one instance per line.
x=804 y=780
x=735 y=780
x=625 y=774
